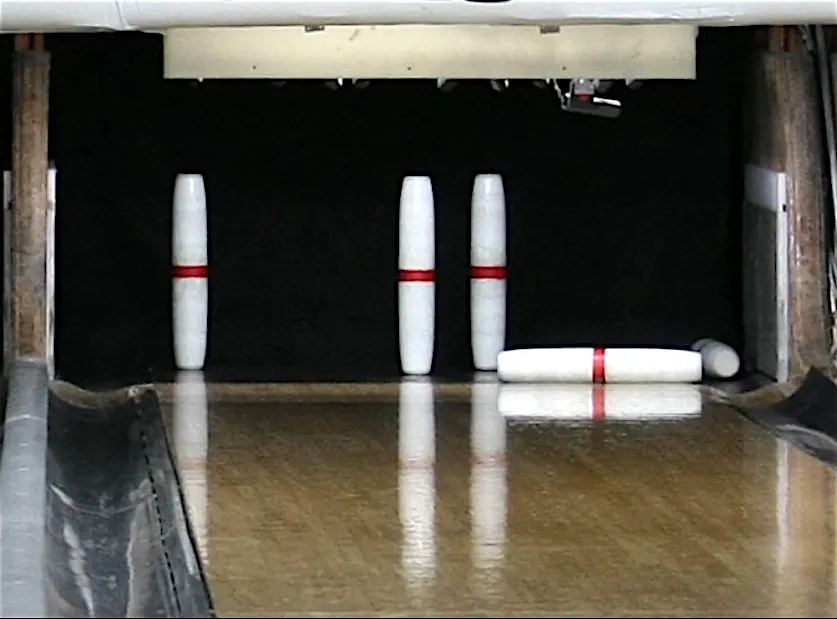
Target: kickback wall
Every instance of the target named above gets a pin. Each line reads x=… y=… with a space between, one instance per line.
x=621 y=232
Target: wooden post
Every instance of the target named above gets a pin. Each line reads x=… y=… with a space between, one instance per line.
x=803 y=126
x=30 y=162
x=784 y=125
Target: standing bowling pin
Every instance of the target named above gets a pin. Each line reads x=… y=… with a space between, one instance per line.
x=190 y=431
x=488 y=270
x=488 y=481
x=190 y=259
x=417 y=484
x=417 y=275
x=578 y=402
x=599 y=365
x=719 y=360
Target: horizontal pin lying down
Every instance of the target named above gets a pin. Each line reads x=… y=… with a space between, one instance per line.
x=599 y=365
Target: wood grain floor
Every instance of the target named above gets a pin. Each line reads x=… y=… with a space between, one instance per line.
x=393 y=502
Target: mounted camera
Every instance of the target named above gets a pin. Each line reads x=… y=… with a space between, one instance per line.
x=586 y=95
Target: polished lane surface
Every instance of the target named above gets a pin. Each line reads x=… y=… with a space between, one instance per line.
x=410 y=500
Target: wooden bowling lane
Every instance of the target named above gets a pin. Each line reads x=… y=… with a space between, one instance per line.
x=392 y=501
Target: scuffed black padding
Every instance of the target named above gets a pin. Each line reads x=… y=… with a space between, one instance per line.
x=806 y=418
x=814 y=404
x=118 y=540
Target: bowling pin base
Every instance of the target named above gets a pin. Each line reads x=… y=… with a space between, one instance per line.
x=190 y=317
x=719 y=359
x=488 y=322
x=416 y=309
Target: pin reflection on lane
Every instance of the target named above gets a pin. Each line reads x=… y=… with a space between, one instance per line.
x=579 y=402
x=805 y=534
x=488 y=482
x=417 y=484
x=190 y=430
x=701 y=508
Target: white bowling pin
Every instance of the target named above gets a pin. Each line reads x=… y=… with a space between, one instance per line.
x=417 y=484
x=190 y=259
x=488 y=479
x=580 y=402
x=52 y=185
x=190 y=433
x=719 y=360
x=8 y=353
x=417 y=275
x=488 y=270
x=599 y=365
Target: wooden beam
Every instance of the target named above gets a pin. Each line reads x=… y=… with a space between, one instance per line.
x=802 y=134
x=783 y=127
x=30 y=162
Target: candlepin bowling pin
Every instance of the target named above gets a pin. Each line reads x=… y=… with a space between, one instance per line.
x=599 y=365
x=190 y=258
x=719 y=360
x=488 y=270
x=417 y=276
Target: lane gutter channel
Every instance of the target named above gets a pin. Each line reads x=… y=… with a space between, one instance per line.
x=161 y=530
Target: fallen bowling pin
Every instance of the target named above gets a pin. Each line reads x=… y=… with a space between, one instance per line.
x=488 y=270
x=599 y=365
x=190 y=272
x=416 y=276
x=719 y=360
x=417 y=483
x=578 y=402
x=190 y=433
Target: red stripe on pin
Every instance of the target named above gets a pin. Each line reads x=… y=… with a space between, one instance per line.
x=417 y=275
x=488 y=272
x=599 y=402
x=599 y=372
x=190 y=272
